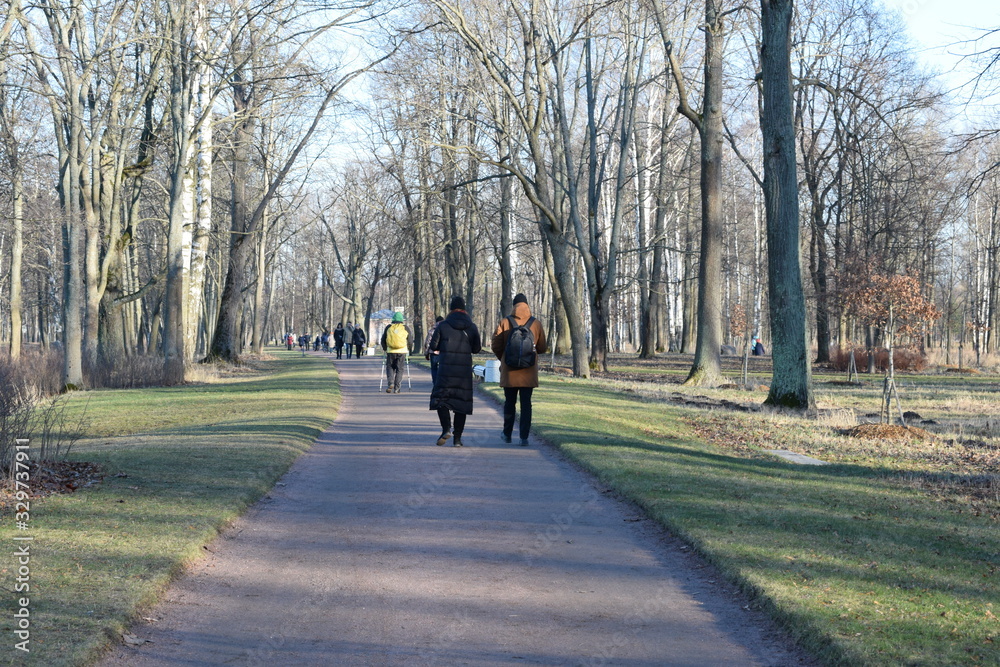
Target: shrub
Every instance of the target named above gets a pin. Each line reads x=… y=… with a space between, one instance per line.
x=17 y=402
x=138 y=370
x=30 y=407
x=904 y=358
x=52 y=431
x=42 y=368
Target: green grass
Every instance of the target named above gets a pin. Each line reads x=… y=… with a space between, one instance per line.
x=861 y=568
x=181 y=464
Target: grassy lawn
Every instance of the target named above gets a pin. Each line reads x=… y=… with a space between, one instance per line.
x=888 y=557
x=181 y=463
x=859 y=561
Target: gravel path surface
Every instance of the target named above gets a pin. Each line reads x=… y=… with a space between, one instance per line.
x=379 y=548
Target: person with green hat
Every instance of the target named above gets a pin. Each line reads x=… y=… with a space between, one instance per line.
x=396 y=342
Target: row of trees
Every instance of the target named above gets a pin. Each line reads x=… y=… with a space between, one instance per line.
x=146 y=101
x=642 y=170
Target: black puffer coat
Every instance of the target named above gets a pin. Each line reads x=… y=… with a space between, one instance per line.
x=456 y=339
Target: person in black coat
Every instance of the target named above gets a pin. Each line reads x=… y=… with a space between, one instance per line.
x=359 y=341
x=455 y=340
x=338 y=339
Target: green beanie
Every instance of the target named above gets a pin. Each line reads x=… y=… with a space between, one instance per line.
x=397 y=317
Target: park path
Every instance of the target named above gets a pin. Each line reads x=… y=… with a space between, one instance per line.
x=378 y=548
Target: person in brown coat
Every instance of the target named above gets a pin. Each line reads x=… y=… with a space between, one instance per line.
x=518 y=382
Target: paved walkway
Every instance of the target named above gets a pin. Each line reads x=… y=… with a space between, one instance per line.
x=378 y=548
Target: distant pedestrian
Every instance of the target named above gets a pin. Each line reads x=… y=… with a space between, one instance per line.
x=359 y=340
x=290 y=340
x=396 y=339
x=455 y=339
x=349 y=338
x=518 y=341
x=338 y=339
x=434 y=357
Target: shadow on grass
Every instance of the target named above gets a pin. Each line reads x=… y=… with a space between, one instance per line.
x=842 y=553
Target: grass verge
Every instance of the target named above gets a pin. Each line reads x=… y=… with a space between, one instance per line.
x=181 y=464
x=861 y=569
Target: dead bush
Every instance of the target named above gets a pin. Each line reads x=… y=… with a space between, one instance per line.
x=32 y=409
x=17 y=402
x=904 y=359
x=41 y=368
x=138 y=370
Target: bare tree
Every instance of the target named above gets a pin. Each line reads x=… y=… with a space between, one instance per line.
x=707 y=366
x=525 y=86
x=11 y=100
x=247 y=216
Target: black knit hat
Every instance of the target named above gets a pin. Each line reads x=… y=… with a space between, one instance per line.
x=520 y=298
x=457 y=303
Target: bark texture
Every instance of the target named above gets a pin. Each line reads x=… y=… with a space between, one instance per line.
x=791 y=384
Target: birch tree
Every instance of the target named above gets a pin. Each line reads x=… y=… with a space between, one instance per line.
x=12 y=99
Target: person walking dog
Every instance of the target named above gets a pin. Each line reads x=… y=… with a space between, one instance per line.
x=517 y=342
x=396 y=339
x=455 y=339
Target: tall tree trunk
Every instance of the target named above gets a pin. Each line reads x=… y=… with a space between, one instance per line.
x=16 y=252
x=559 y=335
x=227 y=343
x=74 y=297
x=821 y=284
x=203 y=225
x=506 y=270
x=181 y=208
x=562 y=269
x=819 y=268
x=791 y=383
x=707 y=367
x=257 y=343
x=647 y=331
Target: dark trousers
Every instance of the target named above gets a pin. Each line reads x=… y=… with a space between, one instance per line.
x=394 y=364
x=339 y=348
x=445 y=416
x=510 y=395
x=435 y=362
x=350 y=347
x=357 y=350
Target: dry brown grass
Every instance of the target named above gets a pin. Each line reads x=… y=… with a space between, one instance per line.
x=889 y=432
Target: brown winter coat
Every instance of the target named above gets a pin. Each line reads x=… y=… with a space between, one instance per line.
x=520 y=377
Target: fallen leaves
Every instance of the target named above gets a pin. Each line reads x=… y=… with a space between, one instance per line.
x=889 y=432
x=50 y=478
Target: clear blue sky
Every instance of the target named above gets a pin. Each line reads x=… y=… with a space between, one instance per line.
x=937 y=26
x=938 y=29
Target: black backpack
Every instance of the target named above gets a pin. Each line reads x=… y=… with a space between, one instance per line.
x=520 y=349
